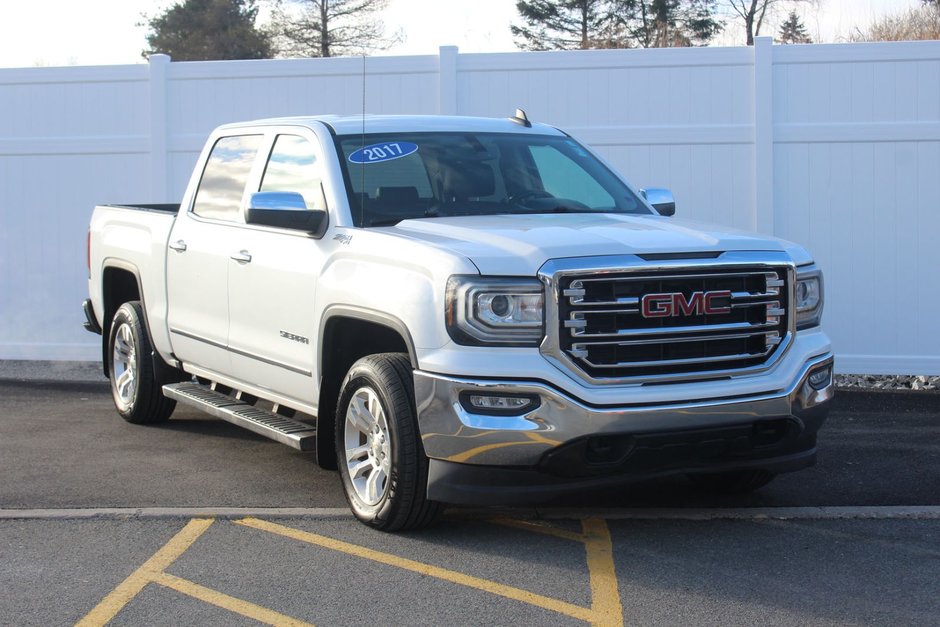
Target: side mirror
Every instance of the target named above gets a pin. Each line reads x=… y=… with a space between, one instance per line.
x=661 y=199
x=285 y=210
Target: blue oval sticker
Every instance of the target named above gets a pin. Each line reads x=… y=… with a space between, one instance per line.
x=386 y=151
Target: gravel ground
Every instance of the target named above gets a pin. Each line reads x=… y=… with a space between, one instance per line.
x=91 y=371
x=887 y=382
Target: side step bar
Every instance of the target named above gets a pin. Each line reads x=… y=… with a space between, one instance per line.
x=294 y=433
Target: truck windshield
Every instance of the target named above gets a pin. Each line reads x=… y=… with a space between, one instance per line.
x=399 y=176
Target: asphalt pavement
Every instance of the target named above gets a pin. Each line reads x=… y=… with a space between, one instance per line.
x=606 y=558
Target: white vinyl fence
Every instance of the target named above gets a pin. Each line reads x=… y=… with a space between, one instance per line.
x=836 y=147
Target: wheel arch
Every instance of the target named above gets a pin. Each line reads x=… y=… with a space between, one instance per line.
x=346 y=334
x=120 y=283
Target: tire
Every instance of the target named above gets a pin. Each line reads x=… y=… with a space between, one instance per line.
x=136 y=380
x=733 y=482
x=382 y=463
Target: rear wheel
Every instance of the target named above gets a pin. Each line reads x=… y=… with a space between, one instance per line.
x=382 y=462
x=733 y=482
x=136 y=380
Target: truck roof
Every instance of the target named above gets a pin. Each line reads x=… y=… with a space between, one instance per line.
x=353 y=124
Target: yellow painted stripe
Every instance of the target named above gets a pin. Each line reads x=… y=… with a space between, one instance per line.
x=109 y=606
x=605 y=596
x=509 y=592
x=544 y=529
x=538 y=437
x=226 y=602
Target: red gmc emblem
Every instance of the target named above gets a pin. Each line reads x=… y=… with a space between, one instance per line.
x=675 y=304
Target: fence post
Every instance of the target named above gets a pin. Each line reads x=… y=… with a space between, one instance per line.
x=447 y=86
x=159 y=63
x=764 y=135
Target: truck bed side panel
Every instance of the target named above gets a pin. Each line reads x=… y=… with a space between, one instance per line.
x=133 y=239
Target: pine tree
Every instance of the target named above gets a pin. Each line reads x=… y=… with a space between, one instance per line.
x=792 y=31
x=584 y=24
x=208 y=30
x=563 y=24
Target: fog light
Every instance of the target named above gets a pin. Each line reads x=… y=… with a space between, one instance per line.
x=499 y=404
x=820 y=378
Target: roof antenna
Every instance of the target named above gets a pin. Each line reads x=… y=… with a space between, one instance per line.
x=521 y=118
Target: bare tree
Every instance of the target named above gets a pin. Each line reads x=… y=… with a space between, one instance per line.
x=915 y=24
x=755 y=12
x=329 y=28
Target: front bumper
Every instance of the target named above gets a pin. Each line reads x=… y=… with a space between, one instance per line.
x=565 y=445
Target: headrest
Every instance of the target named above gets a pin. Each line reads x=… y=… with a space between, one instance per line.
x=467 y=180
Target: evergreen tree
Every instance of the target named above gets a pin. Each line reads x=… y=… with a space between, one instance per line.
x=667 y=23
x=792 y=31
x=584 y=24
x=208 y=30
x=564 y=24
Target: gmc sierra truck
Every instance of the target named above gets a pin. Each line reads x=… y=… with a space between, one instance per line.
x=457 y=310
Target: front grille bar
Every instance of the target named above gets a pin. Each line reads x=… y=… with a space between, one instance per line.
x=602 y=330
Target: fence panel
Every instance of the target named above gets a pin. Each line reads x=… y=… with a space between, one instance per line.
x=836 y=147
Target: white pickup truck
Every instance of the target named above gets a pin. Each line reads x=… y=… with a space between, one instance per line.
x=459 y=310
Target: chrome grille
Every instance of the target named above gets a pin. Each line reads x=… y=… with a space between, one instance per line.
x=603 y=330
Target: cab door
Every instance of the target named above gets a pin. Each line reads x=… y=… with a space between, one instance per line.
x=273 y=329
x=199 y=255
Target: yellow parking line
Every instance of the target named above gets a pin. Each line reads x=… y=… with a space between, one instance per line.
x=131 y=587
x=605 y=597
x=544 y=529
x=226 y=602
x=509 y=592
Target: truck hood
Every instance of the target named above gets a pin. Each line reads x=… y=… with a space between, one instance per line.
x=521 y=244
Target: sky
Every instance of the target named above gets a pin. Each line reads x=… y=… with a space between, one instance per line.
x=106 y=32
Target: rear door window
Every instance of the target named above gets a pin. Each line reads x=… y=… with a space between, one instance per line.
x=220 y=192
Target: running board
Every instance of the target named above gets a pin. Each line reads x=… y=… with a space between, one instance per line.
x=294 y=433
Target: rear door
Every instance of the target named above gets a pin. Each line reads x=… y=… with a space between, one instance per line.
x=201 y=245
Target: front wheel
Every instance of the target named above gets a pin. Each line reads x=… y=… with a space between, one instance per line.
x=136 y=384
x=382 y=462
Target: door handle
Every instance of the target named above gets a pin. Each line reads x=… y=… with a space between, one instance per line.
x=242 y=256
x=179 y=246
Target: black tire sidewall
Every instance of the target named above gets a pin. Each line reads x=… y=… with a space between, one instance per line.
x=127 y=314
x=361 y=375
x=150 y=406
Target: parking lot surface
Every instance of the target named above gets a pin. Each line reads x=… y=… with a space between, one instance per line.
x=855 y=539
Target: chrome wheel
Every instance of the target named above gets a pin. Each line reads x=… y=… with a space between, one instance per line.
x=368 y=446
x=124 y=363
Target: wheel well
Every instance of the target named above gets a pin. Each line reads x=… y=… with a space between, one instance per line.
x=344 y=341
x=118 y=286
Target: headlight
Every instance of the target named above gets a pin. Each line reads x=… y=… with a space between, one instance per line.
x=491 y=311
x=809 y=297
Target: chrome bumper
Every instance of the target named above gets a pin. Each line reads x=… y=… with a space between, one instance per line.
x=451 y=433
